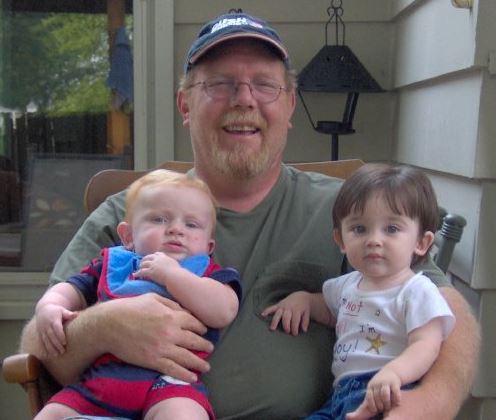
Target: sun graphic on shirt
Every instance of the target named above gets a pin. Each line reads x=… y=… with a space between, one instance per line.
x=376 y=343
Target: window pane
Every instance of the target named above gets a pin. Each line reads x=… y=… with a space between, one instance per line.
x=61 y=120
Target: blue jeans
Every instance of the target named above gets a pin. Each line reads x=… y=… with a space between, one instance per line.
x=347 y=395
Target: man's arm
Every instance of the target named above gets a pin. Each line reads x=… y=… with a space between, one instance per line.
x=148 y=331
x=446 y=385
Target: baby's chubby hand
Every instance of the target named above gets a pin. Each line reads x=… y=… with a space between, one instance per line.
x=50 y=320
x=293 y=312
x=156 y=266
x=383 y=393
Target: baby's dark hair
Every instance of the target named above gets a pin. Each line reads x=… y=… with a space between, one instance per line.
x=407 y=191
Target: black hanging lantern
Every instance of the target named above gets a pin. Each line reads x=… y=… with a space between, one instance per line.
x=336 y=69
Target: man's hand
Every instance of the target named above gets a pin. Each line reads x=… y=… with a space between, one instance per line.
x=148 y=331
x=413 y=407
x=156 y=333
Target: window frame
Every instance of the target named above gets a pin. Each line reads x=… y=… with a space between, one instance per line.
x=154 y=113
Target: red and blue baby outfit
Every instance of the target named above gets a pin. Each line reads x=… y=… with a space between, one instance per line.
x=111 y=387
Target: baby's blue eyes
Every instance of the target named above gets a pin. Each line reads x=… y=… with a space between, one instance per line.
x=392 y=229
x=360 y=229
x=159 y=220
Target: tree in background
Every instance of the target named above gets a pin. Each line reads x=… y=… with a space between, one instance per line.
x=58 y=62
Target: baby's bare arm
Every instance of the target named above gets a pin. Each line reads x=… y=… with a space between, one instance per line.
x=212 y=302
x=384 y=389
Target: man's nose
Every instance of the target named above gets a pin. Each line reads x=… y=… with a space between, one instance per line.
x=243 y=95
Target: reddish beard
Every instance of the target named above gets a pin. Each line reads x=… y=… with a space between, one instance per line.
x=238 y=162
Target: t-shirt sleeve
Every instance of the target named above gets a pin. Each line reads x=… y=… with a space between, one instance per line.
x=332 y=290
x=97 y=231
x=87 y=280
x=423 y=302
x=229 y=276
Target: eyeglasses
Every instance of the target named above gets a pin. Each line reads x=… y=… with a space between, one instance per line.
x=263 y=90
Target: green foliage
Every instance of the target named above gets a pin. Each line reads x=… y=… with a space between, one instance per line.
x=57 y=61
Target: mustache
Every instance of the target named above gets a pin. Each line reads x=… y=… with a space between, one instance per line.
x=237 y=117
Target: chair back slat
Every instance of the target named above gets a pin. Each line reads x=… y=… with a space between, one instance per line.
x=111 y=181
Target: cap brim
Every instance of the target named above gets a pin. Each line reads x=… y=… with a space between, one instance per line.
x=284 y=53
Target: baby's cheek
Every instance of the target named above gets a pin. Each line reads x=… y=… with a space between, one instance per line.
x=196 y=238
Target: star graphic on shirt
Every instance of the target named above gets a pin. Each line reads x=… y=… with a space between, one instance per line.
x=376 y=343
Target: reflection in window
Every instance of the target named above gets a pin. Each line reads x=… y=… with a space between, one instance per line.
x=59 y=120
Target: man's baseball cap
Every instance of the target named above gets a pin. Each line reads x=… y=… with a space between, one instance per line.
x=230 y=26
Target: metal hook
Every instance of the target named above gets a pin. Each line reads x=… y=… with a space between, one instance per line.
x=337 y=12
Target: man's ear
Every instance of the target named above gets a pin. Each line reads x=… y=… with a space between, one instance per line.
x=336 y=235
x=424 y=243
x=125 y=234
x=183 y=106
x=292 y=105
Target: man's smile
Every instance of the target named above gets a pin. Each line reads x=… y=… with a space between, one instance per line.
x=242 y=129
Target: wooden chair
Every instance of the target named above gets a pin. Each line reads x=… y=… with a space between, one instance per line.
x=111 y=181
x=26 y=369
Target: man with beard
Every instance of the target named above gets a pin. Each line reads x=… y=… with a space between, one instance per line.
x=237 y=98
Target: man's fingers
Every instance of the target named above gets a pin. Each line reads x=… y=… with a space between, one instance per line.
x=190 y=361
x=169 y=368
x=186 y=320
x=191 y=341
x=363 y=412
x=181 y=364
x=167 y=302
x=190 y=323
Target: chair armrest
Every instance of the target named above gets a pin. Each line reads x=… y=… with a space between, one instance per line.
x=25 y=370
x=28 y=371
x=21 y=368
x=448 y=235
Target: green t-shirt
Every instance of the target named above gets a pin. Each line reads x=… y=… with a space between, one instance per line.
x=283 y=245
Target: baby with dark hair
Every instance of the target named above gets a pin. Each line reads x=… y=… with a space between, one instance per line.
x=390 y=322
